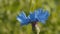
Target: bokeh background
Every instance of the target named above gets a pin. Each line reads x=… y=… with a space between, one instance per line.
x=9 y=9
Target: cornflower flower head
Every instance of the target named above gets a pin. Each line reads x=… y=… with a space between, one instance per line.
x=37 y=16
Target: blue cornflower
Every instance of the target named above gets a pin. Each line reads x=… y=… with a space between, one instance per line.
x=36 y=16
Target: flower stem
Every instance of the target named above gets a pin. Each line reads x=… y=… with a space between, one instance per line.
x=35 y=28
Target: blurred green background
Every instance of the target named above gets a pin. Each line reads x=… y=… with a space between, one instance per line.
x=9 y=9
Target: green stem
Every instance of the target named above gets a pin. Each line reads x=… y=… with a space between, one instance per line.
x=35 y=28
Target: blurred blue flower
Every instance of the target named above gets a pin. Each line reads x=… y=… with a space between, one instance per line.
x=36 y=16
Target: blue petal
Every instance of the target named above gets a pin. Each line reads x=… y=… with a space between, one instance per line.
x=22 y=19
x=32 y=16
x=42 y=15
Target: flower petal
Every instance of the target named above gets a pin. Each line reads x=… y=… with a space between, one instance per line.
x=42 y=15
x=22 y=19
x=32 y=16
